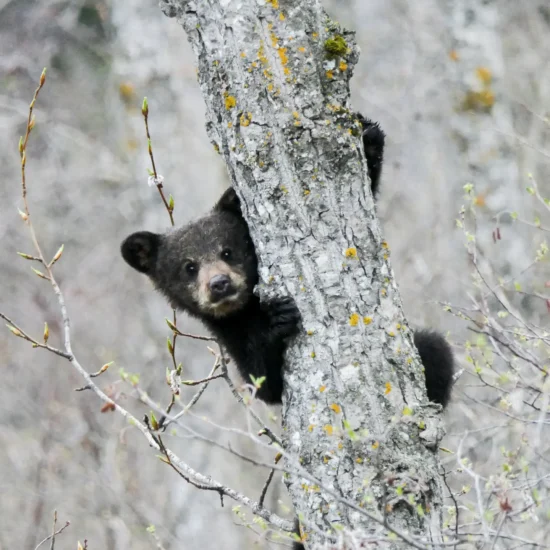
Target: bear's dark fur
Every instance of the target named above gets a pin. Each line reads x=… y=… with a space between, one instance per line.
x=209 y=269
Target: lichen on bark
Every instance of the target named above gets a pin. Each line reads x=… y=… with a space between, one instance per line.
x=355 y=411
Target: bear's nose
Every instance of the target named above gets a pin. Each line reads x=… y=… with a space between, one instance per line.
x=220 y=286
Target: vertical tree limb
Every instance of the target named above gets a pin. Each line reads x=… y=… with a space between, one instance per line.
x=275 y=78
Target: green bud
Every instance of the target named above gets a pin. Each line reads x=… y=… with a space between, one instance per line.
x=154 y=423
x=40 y=274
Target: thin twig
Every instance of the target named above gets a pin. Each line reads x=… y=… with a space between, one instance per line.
x=203 y=381
x=54 y=532
x=22 y=334
x=266 y=486
x=239 y=398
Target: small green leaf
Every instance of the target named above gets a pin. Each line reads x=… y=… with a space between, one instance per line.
x=154 y=422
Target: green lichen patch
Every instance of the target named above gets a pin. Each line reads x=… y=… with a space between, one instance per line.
x=336 y=46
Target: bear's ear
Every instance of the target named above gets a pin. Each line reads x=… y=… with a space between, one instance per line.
x=229 y=202
x=140 y=250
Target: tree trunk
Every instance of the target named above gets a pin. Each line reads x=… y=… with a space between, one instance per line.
x=275 y=79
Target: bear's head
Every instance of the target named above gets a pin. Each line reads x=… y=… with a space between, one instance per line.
x=207 y=268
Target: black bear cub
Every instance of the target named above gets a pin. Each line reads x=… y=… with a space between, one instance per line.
x=209 y=269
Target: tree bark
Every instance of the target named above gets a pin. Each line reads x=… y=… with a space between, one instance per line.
x=275 y=79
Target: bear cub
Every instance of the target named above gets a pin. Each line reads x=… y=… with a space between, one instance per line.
x=209 y=269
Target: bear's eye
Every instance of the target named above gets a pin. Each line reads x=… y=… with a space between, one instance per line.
x=191 y=268
x=226 y=254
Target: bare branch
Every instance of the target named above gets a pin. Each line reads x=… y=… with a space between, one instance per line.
x=54 y=533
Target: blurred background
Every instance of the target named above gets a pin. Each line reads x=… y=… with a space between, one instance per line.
x=462 y=89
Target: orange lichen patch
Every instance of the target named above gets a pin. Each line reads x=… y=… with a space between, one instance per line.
x=243 y=55
x=230 y=102
x=328 y=429
x=261 y=54
x=274 y=3
x=314 y=35
x=359 y=460
x=322 y=389
x=343 y=66
x=375 y=445
x=354 y=320
x=388 y=388
x=485 y=75
x=385 y=245
x=336 y=408
x=301 y=49
x=284 y=58
x=351 y=252
x=230 y=125
x=453 y=55
x=391 y=333
x=475 y=101
x=367 y=320
x=330 y=75
x=282 y=16
x=306 y=192
x=245 y=119
x=310 y=427
x=270 y=87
